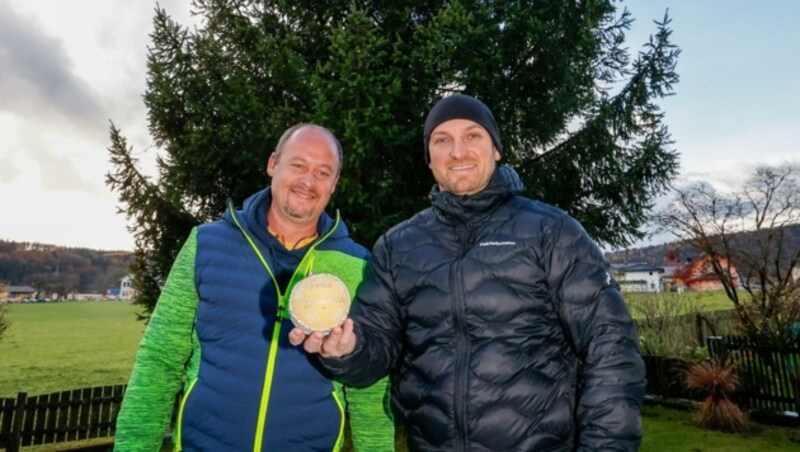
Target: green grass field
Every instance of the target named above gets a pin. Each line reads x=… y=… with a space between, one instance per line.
x=55 y=346
x=705 y=301
x=50 y=347
x=667 y=429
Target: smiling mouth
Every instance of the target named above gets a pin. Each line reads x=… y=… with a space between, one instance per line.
x=462 y=167
x=304 y=195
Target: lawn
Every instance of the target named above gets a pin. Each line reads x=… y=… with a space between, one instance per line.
x=55 y=346
x=50 y=347
x=704 y=301
x=667 y=429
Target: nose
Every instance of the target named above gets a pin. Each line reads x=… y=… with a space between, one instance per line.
x=307 y=179
x=459 y=150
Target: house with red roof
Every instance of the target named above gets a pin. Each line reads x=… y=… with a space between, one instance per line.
x=698 y=274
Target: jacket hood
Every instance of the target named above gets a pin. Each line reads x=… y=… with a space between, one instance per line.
x=253 y=217
x=504 y=184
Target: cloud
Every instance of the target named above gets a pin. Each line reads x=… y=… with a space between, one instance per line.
x=58 y=172
x=8 y=170
x=37 y=81
x=54 y=161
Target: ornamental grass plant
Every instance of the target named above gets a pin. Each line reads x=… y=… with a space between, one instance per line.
x=717 y=379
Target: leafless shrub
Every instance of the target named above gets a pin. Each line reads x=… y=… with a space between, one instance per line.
x=665 y=324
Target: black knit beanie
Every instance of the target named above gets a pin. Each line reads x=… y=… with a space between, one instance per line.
x=461 y=106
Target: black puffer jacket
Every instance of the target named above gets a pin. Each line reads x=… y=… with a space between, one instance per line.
x=502 y=329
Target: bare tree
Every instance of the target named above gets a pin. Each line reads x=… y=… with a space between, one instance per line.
x=755 y=230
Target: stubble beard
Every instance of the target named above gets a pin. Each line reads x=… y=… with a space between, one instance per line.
x=297 y=214
x=294 y=211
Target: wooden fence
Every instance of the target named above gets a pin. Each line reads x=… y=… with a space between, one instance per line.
x=666 y=376
x=770 y=378
x=59 y=417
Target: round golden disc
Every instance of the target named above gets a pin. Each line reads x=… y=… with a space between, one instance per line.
x=319 y=302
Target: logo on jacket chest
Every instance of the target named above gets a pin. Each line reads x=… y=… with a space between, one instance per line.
x=497 y=243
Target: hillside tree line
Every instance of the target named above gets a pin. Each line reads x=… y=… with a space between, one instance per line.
x=61 y=270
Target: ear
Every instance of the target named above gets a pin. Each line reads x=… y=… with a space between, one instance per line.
x=335 y=183
x=273 y=160
x=496 y=154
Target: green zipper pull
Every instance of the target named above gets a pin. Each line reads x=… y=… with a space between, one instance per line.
x=282 y=312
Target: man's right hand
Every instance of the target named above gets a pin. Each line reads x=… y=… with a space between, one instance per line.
x=341 y=341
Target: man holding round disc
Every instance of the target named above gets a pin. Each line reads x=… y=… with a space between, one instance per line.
x=219 y=330
x=495 y=314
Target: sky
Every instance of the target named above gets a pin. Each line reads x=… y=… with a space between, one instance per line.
x=68 y=68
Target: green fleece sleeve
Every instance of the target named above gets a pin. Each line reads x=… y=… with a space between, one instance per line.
x=164 y=352
x=371 y=422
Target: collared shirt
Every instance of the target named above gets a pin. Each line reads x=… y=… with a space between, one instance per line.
x=303 y=242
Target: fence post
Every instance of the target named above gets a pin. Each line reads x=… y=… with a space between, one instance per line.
x=16 y=429
x=794 y=374
x=796 y=384
x=698 y=328
x=717 y=348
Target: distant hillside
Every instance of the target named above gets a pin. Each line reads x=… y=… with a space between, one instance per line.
x=60 y=269
x=657 y=255
x=660 y=255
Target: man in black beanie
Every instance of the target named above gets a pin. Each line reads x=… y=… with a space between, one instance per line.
x=495 y=315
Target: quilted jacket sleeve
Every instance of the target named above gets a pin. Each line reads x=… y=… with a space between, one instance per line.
x=595 y=318
x=159 y=367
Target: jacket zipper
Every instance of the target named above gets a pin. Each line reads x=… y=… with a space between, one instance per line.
x=462 y=343
x=282 y=313
x=339 y=404
x=179 y=423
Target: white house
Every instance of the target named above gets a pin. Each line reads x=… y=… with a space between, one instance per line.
x=639 y=277
x=126 y=290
